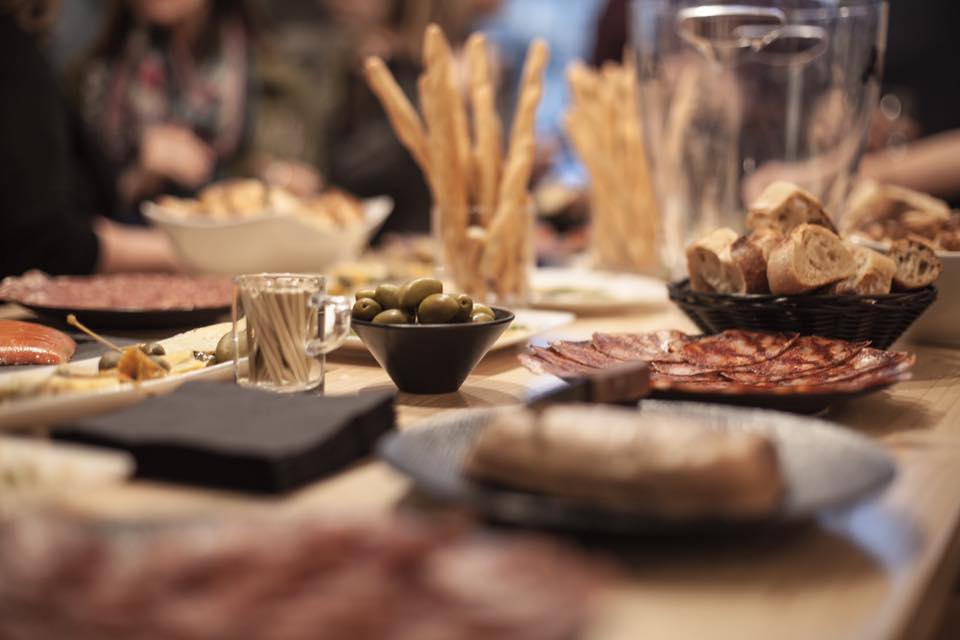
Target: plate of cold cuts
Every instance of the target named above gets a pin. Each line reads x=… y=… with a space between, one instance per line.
x=123 y=301
x=776 y=370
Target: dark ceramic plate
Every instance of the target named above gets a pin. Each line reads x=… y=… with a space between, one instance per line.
x=431 y=358
x=134 y=319
x=825 y=467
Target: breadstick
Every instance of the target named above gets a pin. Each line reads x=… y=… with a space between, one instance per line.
x=487 y=129
x=403 y=117
x=510 y=221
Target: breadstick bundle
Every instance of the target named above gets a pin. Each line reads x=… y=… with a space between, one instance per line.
x=603 y=124
x=482 y=215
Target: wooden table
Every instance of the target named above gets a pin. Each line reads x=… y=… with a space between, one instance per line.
x=884 y=570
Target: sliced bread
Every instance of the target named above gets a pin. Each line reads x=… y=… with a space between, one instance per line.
x=811 y=257
x=784 y=206
x=917 y=263
x=722 y=262
x=874 y=275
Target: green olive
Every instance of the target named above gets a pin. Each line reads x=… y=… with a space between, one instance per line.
x=365 y=293
x=109 y=360
x=438 y=308
x=479 y=318
x=388 y=295
x=414 y=292
x=153 y=349
x=366 y=309
x=464 y=308
x=392 y=316
x=224 y=351
x=482 y=308
x=162 y=362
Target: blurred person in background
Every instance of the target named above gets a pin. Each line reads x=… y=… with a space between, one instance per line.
x=915 y=140
x=186 y=92
x=55 y=185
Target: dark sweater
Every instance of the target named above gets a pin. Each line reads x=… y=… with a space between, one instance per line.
x=52 y=180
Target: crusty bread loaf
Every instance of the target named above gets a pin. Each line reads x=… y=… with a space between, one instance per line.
x=811 y=257
x=874 y=275
x=618 y=457
x=766 y=238
x=917 y=264
x=722 y=262
x=784 y=206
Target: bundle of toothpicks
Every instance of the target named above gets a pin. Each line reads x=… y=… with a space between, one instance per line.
x=604 y=126
x=482 y=213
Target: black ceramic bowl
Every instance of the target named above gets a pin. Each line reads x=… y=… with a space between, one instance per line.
x=431 y=358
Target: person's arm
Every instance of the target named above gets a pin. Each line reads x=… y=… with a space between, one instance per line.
x=930 y=165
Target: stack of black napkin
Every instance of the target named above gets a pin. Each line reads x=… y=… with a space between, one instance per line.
x=226 y=436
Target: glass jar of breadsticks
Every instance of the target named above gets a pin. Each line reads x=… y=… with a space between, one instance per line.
x=604 y=125
x=482 y=215
x=285 y=324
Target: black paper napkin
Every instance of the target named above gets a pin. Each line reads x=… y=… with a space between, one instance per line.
x=226 y=436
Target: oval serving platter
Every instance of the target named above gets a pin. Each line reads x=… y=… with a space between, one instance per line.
x=825 y=467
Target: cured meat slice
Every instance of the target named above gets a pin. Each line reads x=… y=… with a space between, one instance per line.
x=806 y=355
x=866 y=361
x=662 y=346
x=536 y=364
x=681 y=369
x=30 y=343
x=735 y=348
x=584 y=353
x=120 y=291
x=558 y=365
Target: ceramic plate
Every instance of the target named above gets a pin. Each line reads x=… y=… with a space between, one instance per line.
x=527 y=324
x=50 y=409
x=584 y=291
x=825 y=467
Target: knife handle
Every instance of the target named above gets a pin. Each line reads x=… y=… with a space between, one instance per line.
x=623 y=383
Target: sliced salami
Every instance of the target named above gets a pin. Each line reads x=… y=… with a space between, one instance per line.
x=866 y=361
x=681 y=369
x=662 y=346
x=558 y=365
x=806 y=355
x=735 y=348
x=584 y=353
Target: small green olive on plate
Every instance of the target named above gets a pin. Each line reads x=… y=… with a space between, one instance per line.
x=438 y=308
x=392 y=316
x=366 y=309
x=388 y=296
x=417 y=290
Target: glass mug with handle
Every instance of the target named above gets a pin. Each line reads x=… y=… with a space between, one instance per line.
x=285 y=324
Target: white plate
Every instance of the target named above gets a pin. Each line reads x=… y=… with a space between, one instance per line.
x=527 y=324
x=50 y=409
x=267 y=242
x=595 y=292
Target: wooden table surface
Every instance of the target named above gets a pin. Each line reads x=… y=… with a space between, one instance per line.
x=883 y=570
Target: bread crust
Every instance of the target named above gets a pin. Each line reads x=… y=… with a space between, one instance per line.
x=711 y=266
x=748 y=258
x=810 y=258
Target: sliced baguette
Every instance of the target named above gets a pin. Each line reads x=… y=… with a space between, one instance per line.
x=784 y=206
x=872 y=203
x=748 y=258
x=715 y=267
x=811 y=257
x=917 y=263
x=874 y=275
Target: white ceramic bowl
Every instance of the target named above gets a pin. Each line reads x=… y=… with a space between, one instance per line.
x=266 y=243
x=941 y=322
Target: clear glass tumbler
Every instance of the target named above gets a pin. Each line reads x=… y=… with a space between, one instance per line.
x=736 y=95
x=289 y=324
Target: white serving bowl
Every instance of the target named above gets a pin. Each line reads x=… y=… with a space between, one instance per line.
x=941 y=322
x=268 y=242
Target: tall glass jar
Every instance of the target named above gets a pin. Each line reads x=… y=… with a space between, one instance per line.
x=736 y=95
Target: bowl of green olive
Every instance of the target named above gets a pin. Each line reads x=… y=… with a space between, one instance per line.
x=428 y=341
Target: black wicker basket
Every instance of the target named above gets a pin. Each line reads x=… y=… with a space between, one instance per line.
x=880 y=319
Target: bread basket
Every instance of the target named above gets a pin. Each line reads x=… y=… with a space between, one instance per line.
x=880 y=319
